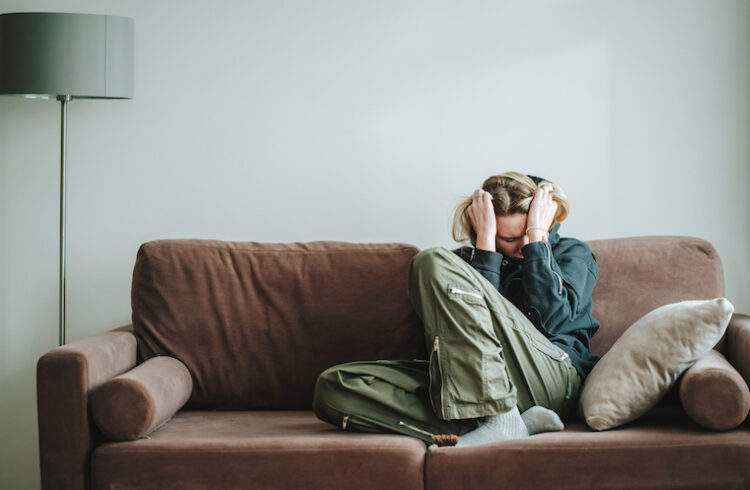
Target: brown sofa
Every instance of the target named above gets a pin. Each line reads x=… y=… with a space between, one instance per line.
x=254 y=324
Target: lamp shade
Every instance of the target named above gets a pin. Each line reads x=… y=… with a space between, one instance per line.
x=80 y=55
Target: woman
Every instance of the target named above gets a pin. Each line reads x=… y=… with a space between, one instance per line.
x=508 y=322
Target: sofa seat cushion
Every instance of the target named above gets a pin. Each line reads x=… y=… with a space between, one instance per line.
x=653 y=453
x=258 y=449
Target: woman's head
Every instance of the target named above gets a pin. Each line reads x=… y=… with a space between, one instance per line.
x=512 y=193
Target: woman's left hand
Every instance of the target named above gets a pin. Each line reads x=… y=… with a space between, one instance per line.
x=541 y=213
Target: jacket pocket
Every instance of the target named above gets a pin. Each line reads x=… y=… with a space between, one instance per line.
x=494 y=373
x=549 y=349
x=466 y=294
x=436 y=379
x=468 y=309
x=559 y=356
x=362 y=423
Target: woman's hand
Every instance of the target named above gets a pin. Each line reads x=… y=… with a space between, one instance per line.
x=541 y=214
x=482 y=217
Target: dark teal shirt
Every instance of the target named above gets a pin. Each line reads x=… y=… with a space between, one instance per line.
x=552 y=286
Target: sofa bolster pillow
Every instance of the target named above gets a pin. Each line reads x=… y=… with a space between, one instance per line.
x=738 y=344
x=714 y=394
x=139 y=401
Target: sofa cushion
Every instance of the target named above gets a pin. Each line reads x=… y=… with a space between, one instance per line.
x=714 y=394
x=135 y=403
x=258 y=449
x=656 y=452
x=256 y=323
x=639 y=274
x=648 y=358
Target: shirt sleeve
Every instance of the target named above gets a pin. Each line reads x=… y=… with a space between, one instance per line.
x=485 y=262
x=557 y=287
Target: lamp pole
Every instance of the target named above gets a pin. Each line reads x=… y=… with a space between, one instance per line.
x=64 y=99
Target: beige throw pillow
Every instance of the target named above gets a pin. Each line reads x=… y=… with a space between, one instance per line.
x=648 y=358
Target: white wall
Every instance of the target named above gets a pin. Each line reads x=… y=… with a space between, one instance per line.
x=363 y=121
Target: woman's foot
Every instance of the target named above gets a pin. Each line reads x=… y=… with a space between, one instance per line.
x=494 y=428
x=539 y=419
x=505 y=426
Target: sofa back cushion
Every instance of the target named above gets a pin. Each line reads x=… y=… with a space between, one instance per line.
x=637 y=275
x=256 y=323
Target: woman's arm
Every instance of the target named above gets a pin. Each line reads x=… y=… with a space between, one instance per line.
x=485 y=262
x=484 y=258
x=557 y=286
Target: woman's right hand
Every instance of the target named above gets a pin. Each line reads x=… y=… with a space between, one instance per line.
x=482 y=216
x=541 y=214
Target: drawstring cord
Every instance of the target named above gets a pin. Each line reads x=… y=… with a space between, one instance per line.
x=401 y=422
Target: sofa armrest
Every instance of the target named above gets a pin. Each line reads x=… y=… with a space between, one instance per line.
x=738 y=344
x=65 y=377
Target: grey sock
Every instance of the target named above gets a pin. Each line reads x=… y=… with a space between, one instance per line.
x=539 y=419
x=500 y=427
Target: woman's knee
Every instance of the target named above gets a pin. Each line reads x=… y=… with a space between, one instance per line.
x=329 y=380
x=327 y=387
x=426 y=265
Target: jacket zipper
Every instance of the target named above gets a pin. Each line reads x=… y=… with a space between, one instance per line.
x=569 y=384
x=549 y=264
x=436 y=349
x=455 y=290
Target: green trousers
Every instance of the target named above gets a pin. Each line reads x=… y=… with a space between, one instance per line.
x=485 y=357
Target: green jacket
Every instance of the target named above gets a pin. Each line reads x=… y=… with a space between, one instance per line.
x=552 y=285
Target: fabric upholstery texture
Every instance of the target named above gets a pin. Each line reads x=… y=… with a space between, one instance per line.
x=714 y=394
x=65 y=377
x=738 y=352
x=639 y=274
x=258 y=449
x=135 y=403
x=662 y=451
x=233 y=312
x=648 y=358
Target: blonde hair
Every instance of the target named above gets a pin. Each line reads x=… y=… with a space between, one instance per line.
x=512 y=193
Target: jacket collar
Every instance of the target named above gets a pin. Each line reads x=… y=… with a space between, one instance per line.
x=554 y=235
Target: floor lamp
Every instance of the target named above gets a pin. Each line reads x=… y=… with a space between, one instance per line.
x=64 y=57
